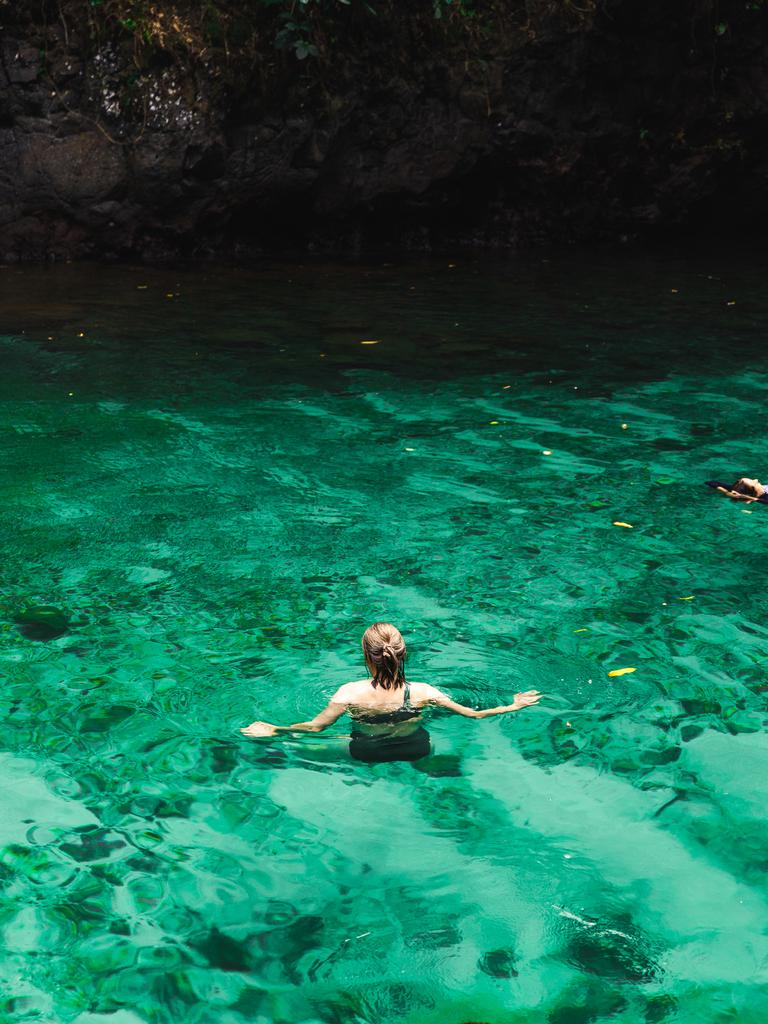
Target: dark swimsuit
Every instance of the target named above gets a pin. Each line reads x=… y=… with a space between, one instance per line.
x=382 y=748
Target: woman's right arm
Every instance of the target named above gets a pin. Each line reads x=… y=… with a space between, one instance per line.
x=440 y=700
x=333 y=711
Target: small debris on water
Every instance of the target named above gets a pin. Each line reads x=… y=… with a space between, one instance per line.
x=546 y=452
x=370 y=341
x=621 y=671
x=627 y=526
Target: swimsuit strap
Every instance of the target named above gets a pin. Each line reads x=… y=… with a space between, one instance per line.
x=407 y=697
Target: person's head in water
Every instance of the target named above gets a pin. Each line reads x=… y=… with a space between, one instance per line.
x=746 y=485
x=384 y=650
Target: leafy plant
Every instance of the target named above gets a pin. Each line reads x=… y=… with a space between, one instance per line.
x=295 y=35
x=462 y=8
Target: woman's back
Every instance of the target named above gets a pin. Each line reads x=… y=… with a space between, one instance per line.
x=378 y=710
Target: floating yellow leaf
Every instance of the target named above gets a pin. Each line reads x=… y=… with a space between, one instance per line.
x=583 y=630
x=493 y=423
x=371 y=341
x=627 y=526
x=621 y=671
x=687 y=598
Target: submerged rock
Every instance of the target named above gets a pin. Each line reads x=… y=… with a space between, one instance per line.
x=614 y=954
x=499 y=963
x=41 y=622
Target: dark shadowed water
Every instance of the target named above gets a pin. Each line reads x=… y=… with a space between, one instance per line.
x=212 y=485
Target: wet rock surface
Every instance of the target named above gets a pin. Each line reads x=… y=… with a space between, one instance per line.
x=637 y=120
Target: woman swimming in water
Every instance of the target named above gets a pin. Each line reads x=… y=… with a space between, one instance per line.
x=745 y=489
x=386 y=710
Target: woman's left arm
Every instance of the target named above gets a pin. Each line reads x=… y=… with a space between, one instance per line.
x=737 y=495
x=522 y=700
x=327 y=716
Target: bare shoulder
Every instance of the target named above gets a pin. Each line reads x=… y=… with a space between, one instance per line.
x=423 y=693
x=349 y=693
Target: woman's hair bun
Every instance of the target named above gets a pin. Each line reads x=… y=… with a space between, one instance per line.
x=384 y=650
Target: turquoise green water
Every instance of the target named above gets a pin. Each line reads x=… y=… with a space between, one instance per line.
x=219 y=490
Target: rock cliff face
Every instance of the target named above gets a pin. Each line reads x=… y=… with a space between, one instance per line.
x=529 y=123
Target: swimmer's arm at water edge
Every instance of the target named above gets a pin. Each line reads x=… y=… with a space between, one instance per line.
x=333 y=711
x=422 y=696
x=439 y=699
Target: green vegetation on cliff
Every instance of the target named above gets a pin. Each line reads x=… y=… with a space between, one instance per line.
x=232 y=29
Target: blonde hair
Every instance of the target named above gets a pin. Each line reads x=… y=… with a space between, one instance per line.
x=384 y=650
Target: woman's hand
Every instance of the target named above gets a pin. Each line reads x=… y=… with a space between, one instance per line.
x=259 y=729
x=526 y=699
